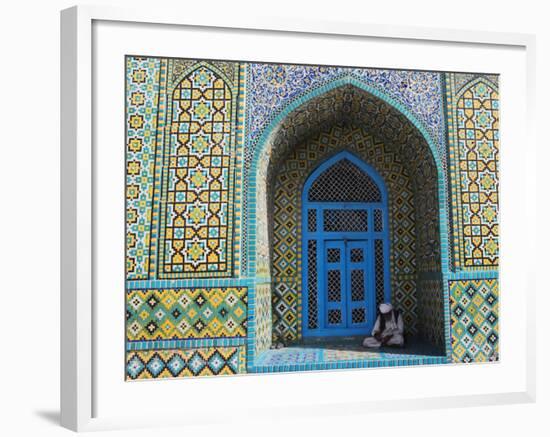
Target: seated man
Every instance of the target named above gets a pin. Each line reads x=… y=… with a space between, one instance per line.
x=388 y=328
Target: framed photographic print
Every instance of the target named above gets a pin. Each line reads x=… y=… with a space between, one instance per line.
x=314 y=209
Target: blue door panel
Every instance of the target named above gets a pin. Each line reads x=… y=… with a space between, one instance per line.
x=334 y=284
x=360 y=291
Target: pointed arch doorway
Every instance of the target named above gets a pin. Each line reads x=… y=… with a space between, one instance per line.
x=345 y=118
x=345 y=247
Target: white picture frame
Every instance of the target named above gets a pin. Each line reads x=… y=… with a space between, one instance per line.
x=80 y=377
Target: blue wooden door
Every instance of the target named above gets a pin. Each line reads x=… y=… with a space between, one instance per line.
x=347 y=291
x=345 y=248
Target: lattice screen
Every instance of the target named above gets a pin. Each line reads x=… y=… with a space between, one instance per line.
x=344 y=182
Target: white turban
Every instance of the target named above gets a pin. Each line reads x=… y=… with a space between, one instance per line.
x=385 y=308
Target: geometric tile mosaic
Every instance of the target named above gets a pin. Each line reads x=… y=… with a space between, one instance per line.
x=273 y=86
x=263 y=317
x=430 y=308
x=196 y=235
x=474 y=320
x=184 y=133
x=142 y=87
x=473 y=112
x=188 y=313
x=286 y=317
x=153 y=364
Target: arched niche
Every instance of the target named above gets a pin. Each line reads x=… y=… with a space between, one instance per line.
x=354 y=109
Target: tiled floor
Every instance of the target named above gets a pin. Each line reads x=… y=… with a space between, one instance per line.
x=343 y=353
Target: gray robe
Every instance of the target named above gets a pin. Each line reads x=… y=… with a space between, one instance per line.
x=387 y=332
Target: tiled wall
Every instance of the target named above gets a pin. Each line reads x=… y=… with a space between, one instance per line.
x=474 y=320
x=184 y=142
x=188 y=313
x=473 y=118
x=142 y=107
x=185 y=362
x=472 y=104
x=263 y=319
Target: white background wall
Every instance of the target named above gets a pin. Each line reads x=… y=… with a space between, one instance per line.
x=29 y=211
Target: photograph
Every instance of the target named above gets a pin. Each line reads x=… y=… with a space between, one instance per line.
x=287 y=217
